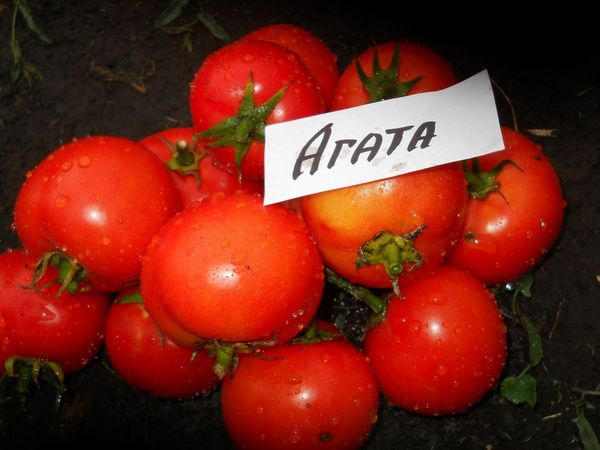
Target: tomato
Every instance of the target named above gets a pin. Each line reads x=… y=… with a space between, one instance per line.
x=342 y=221
x=150 y=361
x=231 y=269
x=441 y=347
x=98 y=201
x=419 y=69
x=66 y=329
x=301 y=396
x=313 y=52
x=193 y=172
x=510 y=230
x=249 y=84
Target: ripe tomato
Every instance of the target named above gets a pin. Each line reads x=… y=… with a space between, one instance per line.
x=313 y=52
x=249 y=83
x=441 y=347
x=301 y=396
x=419 y=69
x=509 y=231
x=98 y=200
x=342 y=220
x=67 y=329
x=149 y=360
x=194 y=174
x=231 y=269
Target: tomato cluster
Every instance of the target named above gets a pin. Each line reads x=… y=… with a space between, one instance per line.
x=164 y=248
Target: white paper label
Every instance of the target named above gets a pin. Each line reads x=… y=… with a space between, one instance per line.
x=381 y=140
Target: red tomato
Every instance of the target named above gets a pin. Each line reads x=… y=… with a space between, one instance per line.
x=301 y=396
x=67 y=329
x=232 y=269
x=196 y=177
x=342 y=220
x=442 y=347
x=510 y=230
x=416 y=62
x=99 y=200
x=150 y=361
x=217 y=91
x=313 y=52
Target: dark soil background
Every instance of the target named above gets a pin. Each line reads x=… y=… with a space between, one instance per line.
x=542 y=58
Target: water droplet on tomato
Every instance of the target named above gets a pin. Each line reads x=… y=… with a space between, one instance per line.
x=248 y=58
x=415 y=327
x=105 y=241
x=441 y=369
x=84 y=162
x=47 y=314
x=66 y=166
x=61 y=201
x=260 y=409
x=436 y=300
x=295 y=379
x=295 y=435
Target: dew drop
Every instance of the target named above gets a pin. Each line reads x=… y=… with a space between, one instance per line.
x=295 y=435
x=61 y=201
x=295 y=379
x=66 y=166
x=441 y=369
x=105 y=241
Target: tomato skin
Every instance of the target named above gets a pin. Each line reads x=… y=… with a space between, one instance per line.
x=218 y=87
x=67 y=329
x=212 y=178
x=415 y=60
x=150 y=361
x=441 y=347
x=100 y=200
x=230 y=268
x=313 y=52
x=342 y=220
x=301 y=396
x=506 y=235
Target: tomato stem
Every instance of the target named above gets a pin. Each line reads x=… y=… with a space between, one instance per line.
x=481 y=183
x=247 y=126
x=384 y=83
x=70 y=274
x=377 y=304
x=22 y=375
x=393 y=251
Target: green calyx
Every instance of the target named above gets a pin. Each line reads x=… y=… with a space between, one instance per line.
x=393 y=251
x=226 y=354
x=480 y=184
x=384 y=83
x=185 y=157
x=24 y=377
x=314 y=334
x=247 y=126
x=70 y=274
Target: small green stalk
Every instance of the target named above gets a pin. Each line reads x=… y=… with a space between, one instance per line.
x=23 y=377
x=247 y=126
x=70 y=274
x=393 y=251
x=377 y=304
x=384 y=84
x=185 y=158
x=480 y=184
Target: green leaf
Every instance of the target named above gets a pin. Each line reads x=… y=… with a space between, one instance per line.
x=521 y=389
x=170 y=13
x=524 y=285
x=586 y=433
x=25 y=11
x=210 y=23
x=536 y=350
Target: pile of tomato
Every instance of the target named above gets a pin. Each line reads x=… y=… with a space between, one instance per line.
x=162 y=251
